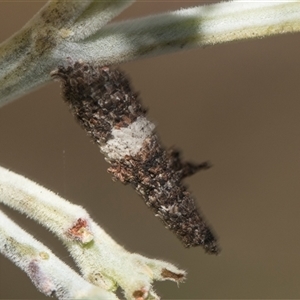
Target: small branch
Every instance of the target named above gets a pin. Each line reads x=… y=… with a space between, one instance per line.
x=47 y=272
x=186 y=28
x=100 y=259
x=27 y=58
x=74 y=29
x=98 y=14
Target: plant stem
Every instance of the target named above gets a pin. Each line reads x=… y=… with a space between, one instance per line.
x=48 y=273
x=27 y=59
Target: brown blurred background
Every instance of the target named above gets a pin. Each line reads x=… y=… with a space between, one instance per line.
x=236 y=105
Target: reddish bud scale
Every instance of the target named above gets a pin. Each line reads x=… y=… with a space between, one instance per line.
x=102 y=101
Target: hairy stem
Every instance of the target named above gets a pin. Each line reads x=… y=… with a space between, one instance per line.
x=47 y=272
x=46 y=42
x=102 y=262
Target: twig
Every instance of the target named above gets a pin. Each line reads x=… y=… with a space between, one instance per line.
x=48 y=273
x=76 y=30
x=100 y=259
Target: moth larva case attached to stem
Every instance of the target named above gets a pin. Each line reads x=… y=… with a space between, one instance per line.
x=103 y=102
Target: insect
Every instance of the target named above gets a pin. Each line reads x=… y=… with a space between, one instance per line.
x=104 y=104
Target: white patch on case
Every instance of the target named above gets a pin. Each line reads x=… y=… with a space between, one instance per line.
x=127 y=140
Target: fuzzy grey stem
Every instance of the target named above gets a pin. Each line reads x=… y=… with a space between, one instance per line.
x=74 y=29
x=201 y=26
x=27 y=58
x=47 y=272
